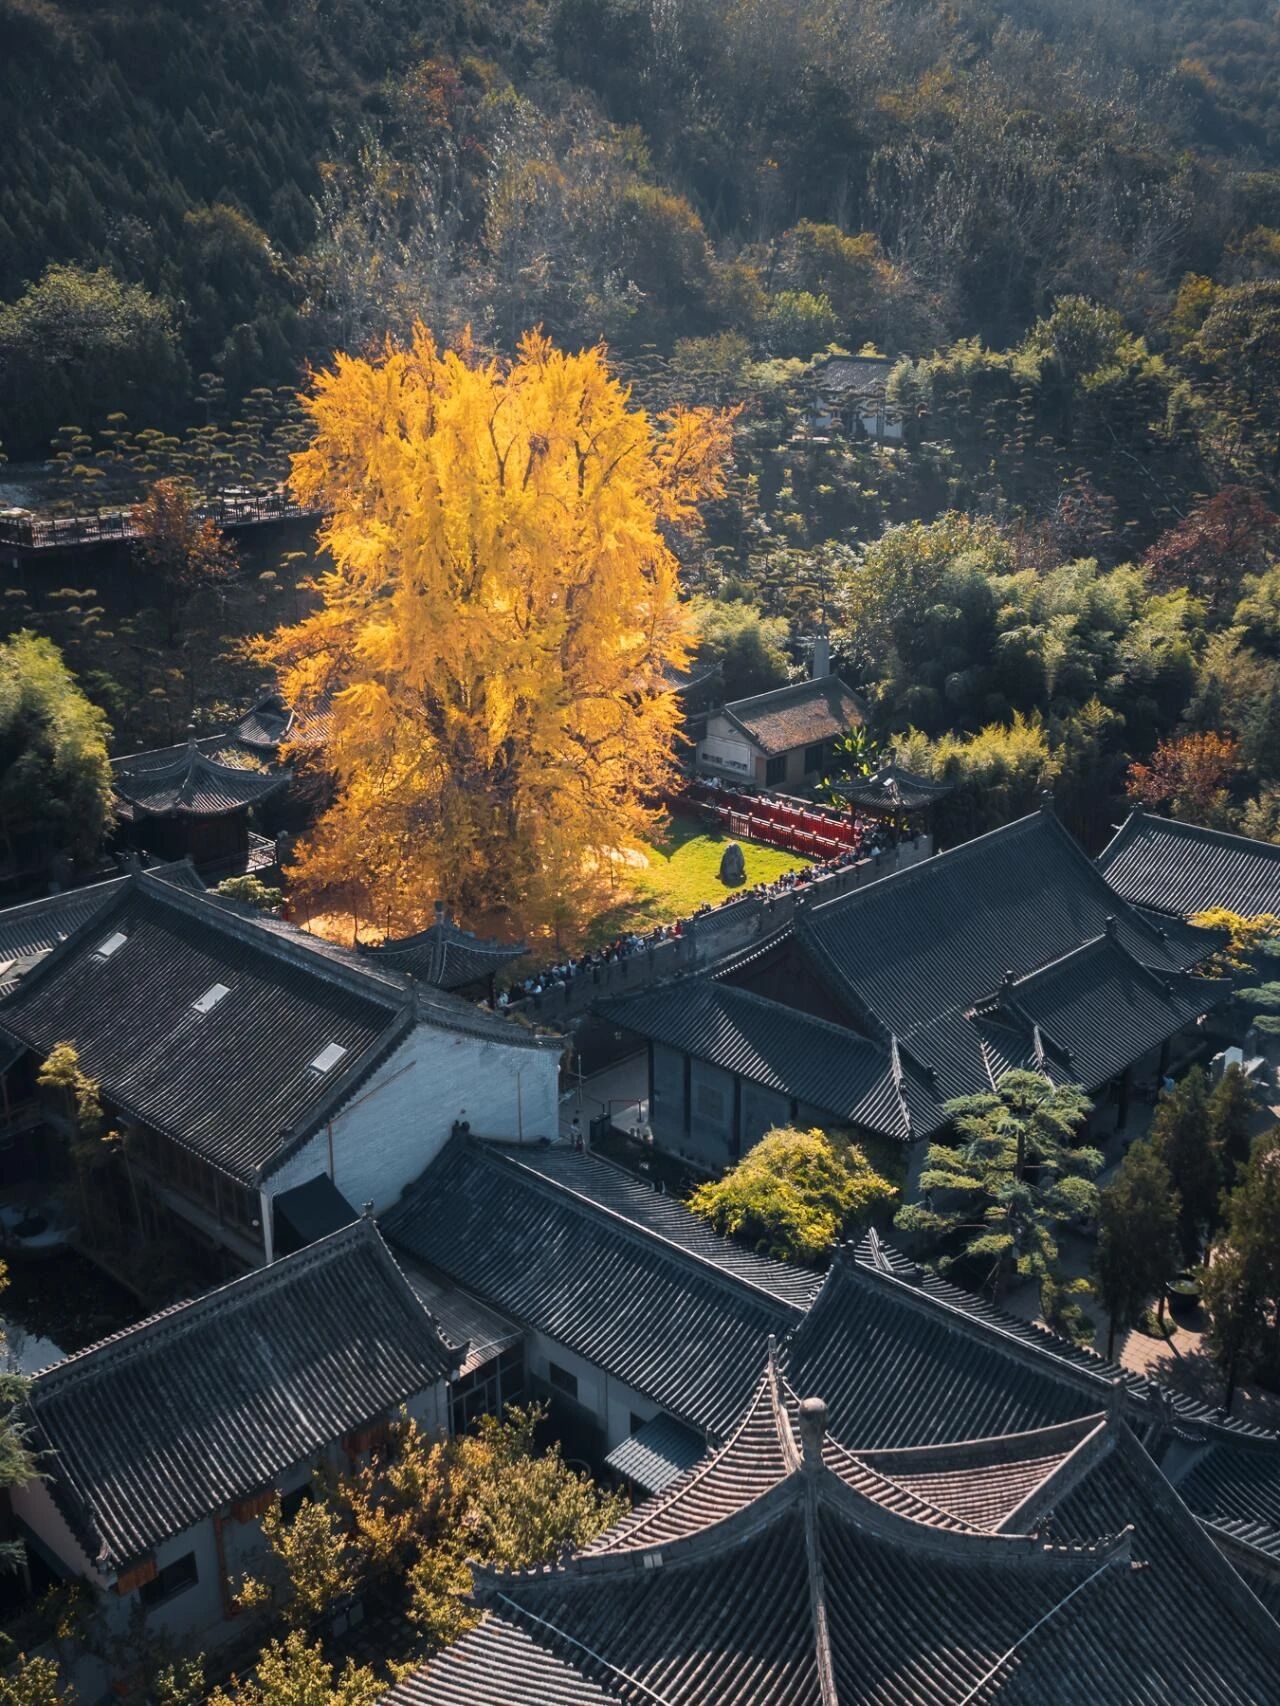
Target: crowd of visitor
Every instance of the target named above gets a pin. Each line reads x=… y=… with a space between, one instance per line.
x=563 y=973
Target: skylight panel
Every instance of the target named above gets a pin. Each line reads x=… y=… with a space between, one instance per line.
x=211 y=997
x=328 y=1057
x=114 y=942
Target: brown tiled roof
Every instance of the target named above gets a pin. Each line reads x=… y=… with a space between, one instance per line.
x=799 y=715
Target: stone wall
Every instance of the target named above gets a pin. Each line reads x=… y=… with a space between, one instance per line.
x=711 y=937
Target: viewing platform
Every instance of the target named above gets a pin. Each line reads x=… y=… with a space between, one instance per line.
x=29 y=532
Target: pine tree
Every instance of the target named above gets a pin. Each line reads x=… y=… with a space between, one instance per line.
x=1012 y=1176
x=1232 y=1110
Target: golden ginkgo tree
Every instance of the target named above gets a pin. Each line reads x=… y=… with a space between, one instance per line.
x=490 y=660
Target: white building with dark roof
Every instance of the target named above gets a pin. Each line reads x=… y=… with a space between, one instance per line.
x=244 y=1057
x=780 y=739
x=160 y=1448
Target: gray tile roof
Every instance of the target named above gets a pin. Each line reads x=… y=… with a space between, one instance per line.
x=683 y=1329
x=462 y=1319
x=915 y=953
x=237 y=1084
x=657 y=1453
x=497 y=1664
x=33 y=928
x=193 y=784
x=446 y=955
x=1109 y=1007
x=1180 y=868
x=798 y=715
x=613 y=1188
x=782 y=1573
x=823 y=1064
x=156 y=1428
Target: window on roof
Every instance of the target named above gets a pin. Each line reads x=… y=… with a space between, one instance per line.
x=328 y=1057
x=116 y=940
x=182 y=1573
x=211 y=997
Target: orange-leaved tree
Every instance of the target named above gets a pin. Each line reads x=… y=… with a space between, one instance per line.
x=493 y=644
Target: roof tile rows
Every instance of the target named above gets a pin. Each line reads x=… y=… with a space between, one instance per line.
x=664 y=1316
x=799 y=715
x=242 y=1080
x=154 y=1429
x=783 y=1049
x=193 y=784
x=1181 y=868
x=786 y=1571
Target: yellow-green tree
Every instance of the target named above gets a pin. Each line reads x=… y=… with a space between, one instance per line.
x=493 y=639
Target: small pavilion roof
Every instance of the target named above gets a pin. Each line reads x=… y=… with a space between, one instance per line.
x=1182 y=868
x=786 y=1571
x=893 y=791
x=193 y=784
x=445 y=954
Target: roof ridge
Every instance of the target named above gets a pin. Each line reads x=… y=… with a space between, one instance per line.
x=923 y=1300
x=288 y=943
x=957 y=1539
x=1013 y=1447
x=772 y=695
x=150 y=1328
x=1195 y=831
x=1060 y=1480
x=646 y=1234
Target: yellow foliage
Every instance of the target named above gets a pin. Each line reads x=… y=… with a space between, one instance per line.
x=494 y=635
x=1243 y=935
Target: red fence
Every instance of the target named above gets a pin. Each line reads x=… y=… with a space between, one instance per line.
x=793 y=825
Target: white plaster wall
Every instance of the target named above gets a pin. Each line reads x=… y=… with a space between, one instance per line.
x=400 y=1119
x=610 y=1401
x=33 y=1504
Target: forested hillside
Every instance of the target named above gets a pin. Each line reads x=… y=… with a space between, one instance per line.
x=275 y=178
x=1058 y=220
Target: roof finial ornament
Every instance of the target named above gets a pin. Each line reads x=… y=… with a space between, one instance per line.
x=1006 y=982
x=1046 y=799
x=1111 y=926
x=813 y=1428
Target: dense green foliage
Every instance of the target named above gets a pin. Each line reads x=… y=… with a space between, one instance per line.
x=1241 y=1278
x=55 y=779
x=1137 y=1238
x=794 y=1193
x=897 y=173
x=994 y=1197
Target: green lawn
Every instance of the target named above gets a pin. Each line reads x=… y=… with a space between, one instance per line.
x=683 y=872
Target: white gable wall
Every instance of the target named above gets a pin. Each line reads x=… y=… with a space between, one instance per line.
x=400 y=1118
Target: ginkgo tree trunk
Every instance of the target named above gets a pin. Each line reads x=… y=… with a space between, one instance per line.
x=490 y=664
